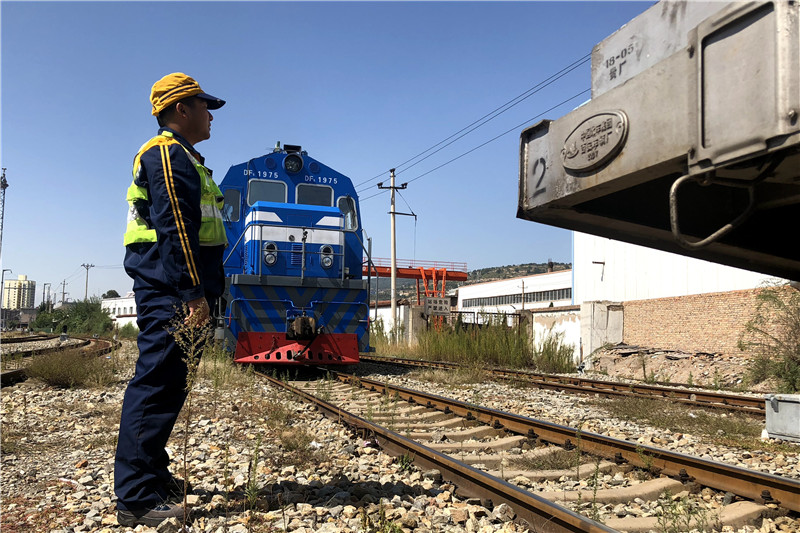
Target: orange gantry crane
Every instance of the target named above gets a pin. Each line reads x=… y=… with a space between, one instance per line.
x=434 y=275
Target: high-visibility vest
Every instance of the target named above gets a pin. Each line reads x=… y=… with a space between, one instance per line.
x=212 y=230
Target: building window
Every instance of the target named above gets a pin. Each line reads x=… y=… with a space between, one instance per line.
x=530 y=297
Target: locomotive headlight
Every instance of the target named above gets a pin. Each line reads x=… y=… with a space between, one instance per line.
x=327 y=256
x=293 y=163
x=270 y=253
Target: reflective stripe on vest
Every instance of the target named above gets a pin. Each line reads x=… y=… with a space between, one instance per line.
x=212 y=229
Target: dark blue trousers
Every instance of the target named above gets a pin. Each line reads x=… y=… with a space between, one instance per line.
x=153 y=399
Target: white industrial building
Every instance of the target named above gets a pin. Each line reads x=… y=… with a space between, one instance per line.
x=122 y=310
x=516 y=294
x=607 y=271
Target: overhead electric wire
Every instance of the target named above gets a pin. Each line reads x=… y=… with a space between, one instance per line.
x=487 y=142
x=491 y=115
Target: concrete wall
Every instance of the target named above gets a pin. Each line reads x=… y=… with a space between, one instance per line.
x=385 y=317
x=410 y=321
x=565 y=319
x=601 y=323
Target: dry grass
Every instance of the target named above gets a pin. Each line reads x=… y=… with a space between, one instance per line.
x=75 y=369
x=718 y=426
x=10 y=440
x=558 y=460
x=463 y=375
x=26 y=517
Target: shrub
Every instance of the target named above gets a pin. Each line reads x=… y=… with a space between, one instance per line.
x=492 y=342
x=128 y=331
x=72 y=369
x=773 y=337
x=85 y=316
x=552 y=355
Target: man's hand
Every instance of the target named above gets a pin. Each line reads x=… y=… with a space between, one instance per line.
x=198 y=312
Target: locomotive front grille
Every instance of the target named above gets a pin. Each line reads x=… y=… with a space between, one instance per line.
x=297 y=255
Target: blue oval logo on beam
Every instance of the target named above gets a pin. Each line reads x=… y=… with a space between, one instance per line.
x=596 y=141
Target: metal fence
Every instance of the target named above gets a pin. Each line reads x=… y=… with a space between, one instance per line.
x=480 y=318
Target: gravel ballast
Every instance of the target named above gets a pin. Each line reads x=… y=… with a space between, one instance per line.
x=309 y=475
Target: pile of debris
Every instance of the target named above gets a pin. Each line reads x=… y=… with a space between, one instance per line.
x=675 y=367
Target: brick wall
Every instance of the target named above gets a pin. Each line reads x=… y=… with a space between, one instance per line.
x=710 y=322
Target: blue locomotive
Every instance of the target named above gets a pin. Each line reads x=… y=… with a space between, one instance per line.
x=295 y=293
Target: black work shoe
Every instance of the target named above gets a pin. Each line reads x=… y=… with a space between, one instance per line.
x=149 y=517
x=174 y=488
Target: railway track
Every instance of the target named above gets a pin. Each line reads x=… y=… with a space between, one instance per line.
x=691 y=396
x=30 y=338
x=457 y=438
x=91 y=346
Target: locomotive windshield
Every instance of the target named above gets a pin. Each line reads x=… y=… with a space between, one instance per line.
x=348 y=208
x=266 y=191
x=315 y=195
x=230 y=211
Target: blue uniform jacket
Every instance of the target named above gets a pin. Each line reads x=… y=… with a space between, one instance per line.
x=176 y=264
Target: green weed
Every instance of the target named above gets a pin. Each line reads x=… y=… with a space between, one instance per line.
x=773 y=337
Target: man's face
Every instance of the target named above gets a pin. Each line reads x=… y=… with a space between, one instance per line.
x=198 y=121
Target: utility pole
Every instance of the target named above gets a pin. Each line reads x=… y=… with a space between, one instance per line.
x=3 y=187
x=86 y=292
x=46 y=293
x=3 y=286
x=63 y=292
x=394 y=248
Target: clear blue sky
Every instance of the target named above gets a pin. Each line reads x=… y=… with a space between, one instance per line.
x=362 y=86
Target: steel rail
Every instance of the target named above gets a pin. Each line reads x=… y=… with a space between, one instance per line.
x=758 y=486
x=52 y=349
x=538 y=512
x=9 y=377
x=32 y=338
x=700 y=398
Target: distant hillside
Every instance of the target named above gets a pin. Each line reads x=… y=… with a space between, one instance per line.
x=512 y=271
x=407 y=288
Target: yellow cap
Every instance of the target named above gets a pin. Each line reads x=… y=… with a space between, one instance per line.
x=177 y=86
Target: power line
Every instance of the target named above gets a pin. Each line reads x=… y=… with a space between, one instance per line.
x=488 y=117
x=490 y=140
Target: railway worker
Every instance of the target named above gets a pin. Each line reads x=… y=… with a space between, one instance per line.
x=173 y=251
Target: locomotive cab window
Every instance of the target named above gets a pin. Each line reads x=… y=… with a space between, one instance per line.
x=315 y=195
x=230 y=210
x=348 y=208
x=266 y=191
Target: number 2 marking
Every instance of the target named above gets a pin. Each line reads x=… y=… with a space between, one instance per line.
x=537 y=190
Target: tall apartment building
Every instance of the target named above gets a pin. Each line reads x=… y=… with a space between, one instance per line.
x=18 y=293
